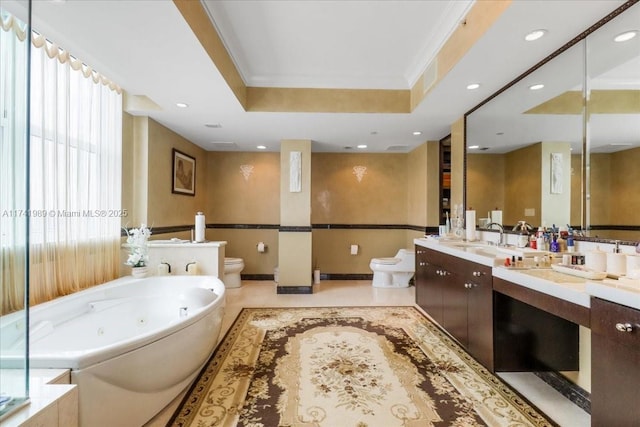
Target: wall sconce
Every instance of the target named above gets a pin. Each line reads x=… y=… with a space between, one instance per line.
x=246 y=171
x=359 y=172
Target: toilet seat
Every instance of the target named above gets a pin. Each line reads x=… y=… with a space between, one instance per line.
x=386 y=261
x=232 y=261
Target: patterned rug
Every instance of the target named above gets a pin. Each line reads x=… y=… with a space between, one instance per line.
x=346 y=367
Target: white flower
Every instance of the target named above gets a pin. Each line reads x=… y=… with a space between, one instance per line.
x=137 y=243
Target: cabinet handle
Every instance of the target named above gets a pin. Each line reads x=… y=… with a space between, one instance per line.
x=477 y=274
x=624 y=327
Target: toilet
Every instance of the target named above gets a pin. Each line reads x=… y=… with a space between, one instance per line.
x=232 y=269
x=393 y=272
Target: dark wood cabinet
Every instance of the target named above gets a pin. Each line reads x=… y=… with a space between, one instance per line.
x=458 y=295
x=615 y=364
x=429 y=298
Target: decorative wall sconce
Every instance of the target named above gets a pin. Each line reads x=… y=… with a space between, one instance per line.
x=246 y=171
x=359 y=172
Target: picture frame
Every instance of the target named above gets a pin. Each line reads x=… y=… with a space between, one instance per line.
x=184 y=174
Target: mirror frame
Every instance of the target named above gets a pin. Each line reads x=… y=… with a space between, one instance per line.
x=585 y=203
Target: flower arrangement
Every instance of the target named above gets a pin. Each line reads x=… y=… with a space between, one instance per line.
x=137 y=243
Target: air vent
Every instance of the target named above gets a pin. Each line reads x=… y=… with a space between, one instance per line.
x=223 y=146
x=430 y=75
x=397 y=148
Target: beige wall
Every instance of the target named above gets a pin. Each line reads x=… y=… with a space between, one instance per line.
x=423 y=186
x=338 y=197
x=165 y=207
x=576 y=189
x=381 y=197
x=600 y=182
x=485 y=175
x=625 y=187
x=523 y=185
x=615 y=188
x=232 y=199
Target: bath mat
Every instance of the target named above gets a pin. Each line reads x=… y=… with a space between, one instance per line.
x=346 y=367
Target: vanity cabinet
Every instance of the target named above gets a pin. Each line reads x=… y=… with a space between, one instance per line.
x=615 y=364
x=458 y=295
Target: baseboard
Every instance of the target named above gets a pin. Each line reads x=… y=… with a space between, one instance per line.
x=304 y=290
x=576 y=394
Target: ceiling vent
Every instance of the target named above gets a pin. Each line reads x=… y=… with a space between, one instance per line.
x=397 y=148
x=223 y=146
x=430 y=75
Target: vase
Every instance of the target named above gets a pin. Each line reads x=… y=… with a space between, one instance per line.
x=139 y=272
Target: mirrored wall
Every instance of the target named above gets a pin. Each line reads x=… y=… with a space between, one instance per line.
x=14 y=215
x=562 y=145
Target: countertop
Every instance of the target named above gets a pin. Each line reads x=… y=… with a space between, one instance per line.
x=563 y=286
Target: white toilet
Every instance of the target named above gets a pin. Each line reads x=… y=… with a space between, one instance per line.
x=393 y=272
x=232 y=269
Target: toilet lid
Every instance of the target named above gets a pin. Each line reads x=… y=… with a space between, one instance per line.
x=229 y=261
x=386 y=261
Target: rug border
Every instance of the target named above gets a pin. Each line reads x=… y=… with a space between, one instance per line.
x=475 y=365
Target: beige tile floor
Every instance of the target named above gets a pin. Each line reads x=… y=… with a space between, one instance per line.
x=361 y=293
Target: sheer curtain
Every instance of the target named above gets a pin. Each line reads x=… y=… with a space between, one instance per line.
x=75 y=174
x=13 y=162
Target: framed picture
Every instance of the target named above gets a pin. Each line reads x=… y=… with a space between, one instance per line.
x=184 y=174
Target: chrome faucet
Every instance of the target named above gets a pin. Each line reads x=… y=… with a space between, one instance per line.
x=500 y=242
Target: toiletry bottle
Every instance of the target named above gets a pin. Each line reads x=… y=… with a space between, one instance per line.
x=562 y=244
x=570 y=245
x=447 y=224
x=554 y=246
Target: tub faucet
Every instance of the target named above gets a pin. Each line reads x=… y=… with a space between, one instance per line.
x=168 y=265
x=500 y=242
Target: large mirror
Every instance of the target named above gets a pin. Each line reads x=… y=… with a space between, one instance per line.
x=567 y=152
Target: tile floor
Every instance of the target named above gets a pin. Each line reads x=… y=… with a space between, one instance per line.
x=361 y=293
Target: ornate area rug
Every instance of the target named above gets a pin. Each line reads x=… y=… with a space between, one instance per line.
x=346 y=367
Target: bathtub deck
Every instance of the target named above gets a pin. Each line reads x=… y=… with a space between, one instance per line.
x=53 y=400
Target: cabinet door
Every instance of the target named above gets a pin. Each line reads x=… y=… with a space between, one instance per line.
x=421 y=277
x=480 y=313
x=615 y=364
x=428 y=283
x=455 y=306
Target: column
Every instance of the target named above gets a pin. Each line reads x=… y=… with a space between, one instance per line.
x=294 y=253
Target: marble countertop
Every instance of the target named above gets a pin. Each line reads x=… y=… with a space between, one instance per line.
x=184 y=243
x=566 y=287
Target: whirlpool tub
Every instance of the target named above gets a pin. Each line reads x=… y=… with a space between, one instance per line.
x=132 y=344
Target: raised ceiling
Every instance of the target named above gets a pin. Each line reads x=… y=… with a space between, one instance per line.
x=148 y=48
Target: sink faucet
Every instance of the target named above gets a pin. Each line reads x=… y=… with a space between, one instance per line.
x=500 y=242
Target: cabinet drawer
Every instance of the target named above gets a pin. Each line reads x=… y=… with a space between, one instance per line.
x=612 y=320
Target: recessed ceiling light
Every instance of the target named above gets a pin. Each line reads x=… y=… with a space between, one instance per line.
x=536 y=86
x=362 y=146
x=416 y=133
x=499 y=133
x=261 y=147
x=181 y=105
x=626 y=36
x=473 y=86
x=474 y=147
x=535 y=35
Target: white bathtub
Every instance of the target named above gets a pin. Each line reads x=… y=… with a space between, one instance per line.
x=132 y=344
